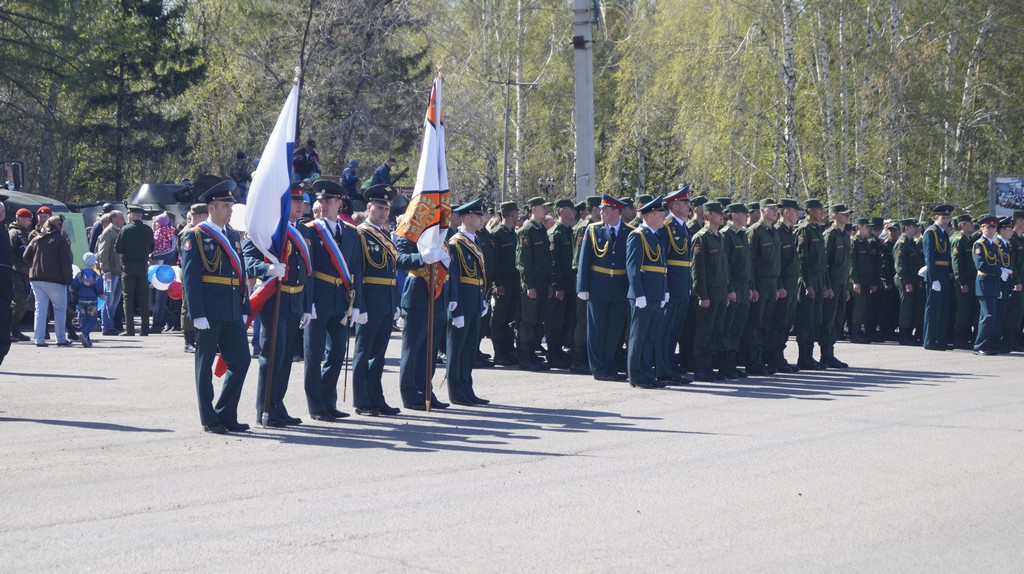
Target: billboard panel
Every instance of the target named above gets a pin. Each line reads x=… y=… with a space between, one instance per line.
x=1006 y=193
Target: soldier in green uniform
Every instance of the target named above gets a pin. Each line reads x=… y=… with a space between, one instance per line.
x=784 y=314
x=1015 y=306
x=754 y=207
x=580 y=362
x=505 y=314
x=710 y=289
x=766 y=264
x=810 y=252
x=838 y=248
x=629 y=214
x=533 y=260
x=18 y=236
x=486 y=242
x=740 y=293
x=688 y=332
x=562 y=305
x=135 y=244
x=889 y=307
x=874 y=331
x=965 y=275
x=908 y=259
x=866 y=276
x=641 y=200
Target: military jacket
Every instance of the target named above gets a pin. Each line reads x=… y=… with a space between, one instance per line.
x=838 y=248
x=908 y=261
x=937 y=254
x=1016 y=258
x=865 y=269
x=563 y=276
x=810 y=252
x=578 y=231
x=415 y=291
x=964 y=271
x=646 y=269
x=486 y=242
x=678 y=245
x=602 y=263
x=737 y=250
x=789 y=265
x=888 y=268
x=330 y=295
x=987 y=260
x=213 y=276
x=506 y=274
x=533 y=256
x=18 y=242
x=765 y=251
x=379 y=268
x=296 y=286
x=1005 y=261
x=710 y=264
x=466 y=275
x=135 y=244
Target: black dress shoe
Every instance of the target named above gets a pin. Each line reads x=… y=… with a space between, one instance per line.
x=368 y=412
x=390 y=411
x=463 y=403
x=42 y=344
x=984 y=353
x=236 y=427
x=127 y=334
x=579 y=370
x=324 y=418
x=337 y=414
x=417 y=407
x=642 y=385
x=111 y=333
x=293 y=421
x=64 y=343
x=277 y=423
x=614 y=377
x=216 y=428
x=480 y=401
x=436 y=404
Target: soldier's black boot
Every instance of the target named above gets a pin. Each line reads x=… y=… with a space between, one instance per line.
x=782 y=364
x=741 y=373
x=755 y=367
x=906 y=339
x=702 y=370
x=833 y=362
x=858 y=335
x=769 y=364
x=806 y=361
x=718 y=366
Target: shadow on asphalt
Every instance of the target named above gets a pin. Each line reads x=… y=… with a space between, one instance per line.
x=825 y=385
x=490 y=429
x=83 y=425
x=58 y=376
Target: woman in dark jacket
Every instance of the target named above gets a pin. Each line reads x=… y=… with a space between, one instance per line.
x=49 y=272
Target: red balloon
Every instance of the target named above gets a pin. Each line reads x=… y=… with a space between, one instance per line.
x=174 y=290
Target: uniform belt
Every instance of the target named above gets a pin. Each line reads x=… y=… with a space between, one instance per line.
x=654 y=268
x=942 y=262
x=328 y=278
x=471 y=281
x=983 y=274
x=220 y=280
x=379 y=281
x=607 y=271
x=292 y=289
x=679 y=263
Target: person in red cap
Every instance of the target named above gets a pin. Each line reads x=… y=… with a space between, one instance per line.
x=19 y=232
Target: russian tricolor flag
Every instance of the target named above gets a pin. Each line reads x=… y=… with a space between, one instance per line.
x=269 y=203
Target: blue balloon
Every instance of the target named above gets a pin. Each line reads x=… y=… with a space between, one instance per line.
x=152 y=272
x=165 y=274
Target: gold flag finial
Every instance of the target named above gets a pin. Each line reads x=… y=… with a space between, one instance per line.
x=298 y=74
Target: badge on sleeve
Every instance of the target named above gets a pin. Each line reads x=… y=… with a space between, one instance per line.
x=187 y=245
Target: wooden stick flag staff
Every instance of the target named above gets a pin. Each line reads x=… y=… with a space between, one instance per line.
x=428 y=215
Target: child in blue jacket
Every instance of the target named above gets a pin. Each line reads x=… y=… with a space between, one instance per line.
x=87 y=289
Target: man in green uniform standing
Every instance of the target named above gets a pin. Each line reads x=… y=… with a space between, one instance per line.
x=1015 y=306
x=135 y=244
x=837 y=285
x=866 y=277
x=740 y=294
x=689 y=330
x=562 y=305
x=710 y=289
x=908 y=259
x=580 y=362
x=533 y=260
x=781 y=322
x=506 y=286
x=19 y=231
x=889 y=308
x=810 y=251
x=766 y=263
x=965 y=275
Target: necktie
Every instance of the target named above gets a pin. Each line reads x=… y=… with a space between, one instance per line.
x=337 y=233
x=612 y=229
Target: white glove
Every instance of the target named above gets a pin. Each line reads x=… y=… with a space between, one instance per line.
x=641 y=302
x=355 y=312
x=245 y=319
x=398 y=315
x=313 y=313
x=459 y=322
x=666 y=297
x=304 y=321
x=201 y=323
x=1005 y=274
x=663 y=303
x=486 y=309
x=276 y=270
x=432 y=255
x=583 y=295
x=936 y=286
x=452 y=305
x=360 y=318
x=922 y=272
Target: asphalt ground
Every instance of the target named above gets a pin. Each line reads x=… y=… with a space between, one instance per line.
x=909 y=461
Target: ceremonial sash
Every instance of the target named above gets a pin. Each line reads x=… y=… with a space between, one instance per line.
x=300 y=241
x=337 y=259
x=383 y=239
x=222 y=240
x=475 y=250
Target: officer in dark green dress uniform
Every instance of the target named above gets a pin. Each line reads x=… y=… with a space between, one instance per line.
x=686 y=335
x=466 y=280
x=737 y=250
x=938 y=279
x=766 y=265
x=533 y=260
x=810 y=252
x=486 y=241
x=580 y=361
x=866 y=276
x=648 y=294
x=964 y=278
x=999 y=344
x=135 y=244
x=675 y=238
x=988 y=284
x=1015 y=306
x=889 y=308
x=838 y=249
x=506 y=287
x=710 y=289
x=378 y=256
x=784 y=315
x=293 y=273
x=908 y=260
x=214 y=281
x=562 y=304
x=602 y=282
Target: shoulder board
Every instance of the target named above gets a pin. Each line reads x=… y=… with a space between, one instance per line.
x=628 y=226
x=349 y=225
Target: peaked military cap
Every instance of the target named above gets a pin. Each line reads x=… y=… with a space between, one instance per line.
x=326 y=189
x=943 y=210
x=644 y=199
x=813 y=204
x=989 y=220
x=769 y=202
x=209 y=188
x=699 y=201
x=877 y=222
x=609 y=201
x=627 y=201
x=132 y=208
x=564 y=203
x=1018 y=214
x=1006 y=222
x=655 y=204
x=841 y=208
x=475 y=207
x=681 y=194
x=725 y=201
x=298 y=191
x=535 y=201
x=863 y=221
x=593 y=201
x=508 y=207
x=736 y=208
x=963 y=217
x=753 y=206
x=381 y=193
x=788 y=203
x=714 y=207
x=581 y=205
x=197 y=208
x=909 y=222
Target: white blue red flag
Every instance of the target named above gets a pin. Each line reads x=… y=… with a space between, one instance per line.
x=269 y=202
x=430 y=210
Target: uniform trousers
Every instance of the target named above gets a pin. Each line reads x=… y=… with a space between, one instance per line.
x=321 y=376
x=287 y=334
x=229 y=338
x=643 y=327
x=461 y=354
x=606 y=322
x=368 y=361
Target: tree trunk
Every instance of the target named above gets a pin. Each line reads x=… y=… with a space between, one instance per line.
x=789 y=84
x=859 y=142
x=516 y=186
x=821 y=58
x=966 y=103
x=843 y=181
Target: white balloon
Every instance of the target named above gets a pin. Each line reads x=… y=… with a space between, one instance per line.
x=177 y=272
x=158 y=285
x=238 y=217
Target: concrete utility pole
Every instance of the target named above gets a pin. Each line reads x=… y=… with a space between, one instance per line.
x=583 y=46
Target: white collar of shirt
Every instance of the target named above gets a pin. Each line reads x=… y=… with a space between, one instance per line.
x=616 y=226
x=1003 y=239
x=468 y=234
x=213 y=225
x=679 y=221
x=647 y=227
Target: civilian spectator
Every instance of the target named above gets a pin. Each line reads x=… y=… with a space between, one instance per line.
x=306 y=162
x=49 y=273
x=345 y=211
x=109 y=261
x=87 y=290
x=165 y=252
x=241 y=174
x=383 y=173
x=98 y=226
x=350 y=180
